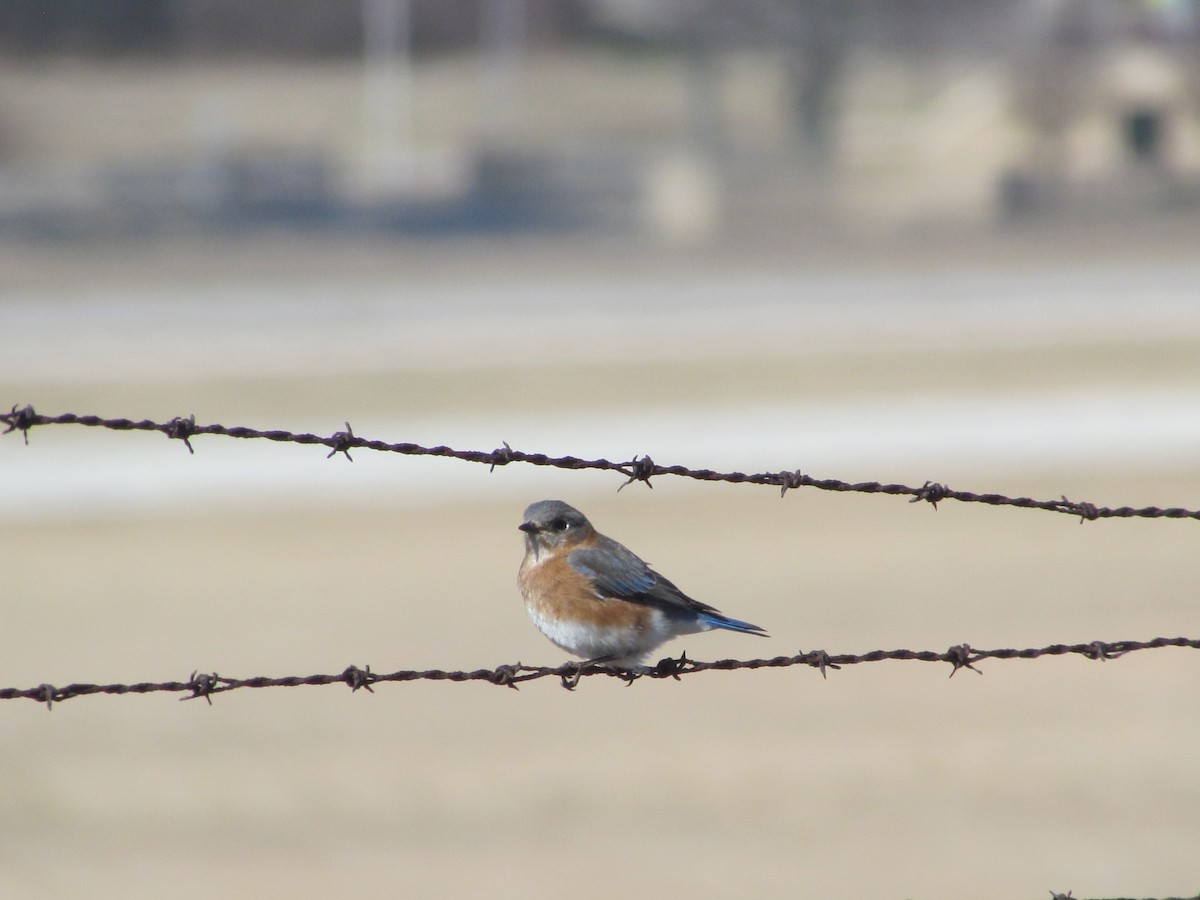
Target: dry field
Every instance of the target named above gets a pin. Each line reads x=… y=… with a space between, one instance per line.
x=884 y=780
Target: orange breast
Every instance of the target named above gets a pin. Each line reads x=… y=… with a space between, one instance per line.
x=554 y=590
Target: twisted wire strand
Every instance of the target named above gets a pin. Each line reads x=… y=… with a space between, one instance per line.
x=960 y=656
x=639 y=469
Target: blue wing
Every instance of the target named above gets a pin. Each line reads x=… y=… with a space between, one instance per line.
x=616 y=571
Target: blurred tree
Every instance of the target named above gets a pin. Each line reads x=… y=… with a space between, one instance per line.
x=262 y=27
x=85 y=26
x=816 y=62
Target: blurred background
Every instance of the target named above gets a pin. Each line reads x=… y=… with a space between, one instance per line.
x=889 y=240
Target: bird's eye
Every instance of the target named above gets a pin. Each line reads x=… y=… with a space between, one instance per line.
x=559 y=524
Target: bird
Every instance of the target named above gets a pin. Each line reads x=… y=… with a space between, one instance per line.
x=596 y=599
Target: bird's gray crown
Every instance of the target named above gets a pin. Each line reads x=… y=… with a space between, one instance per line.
x=546 y=513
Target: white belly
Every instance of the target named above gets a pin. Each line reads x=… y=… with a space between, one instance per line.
x=627 y=646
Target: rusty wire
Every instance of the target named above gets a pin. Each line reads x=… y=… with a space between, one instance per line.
x=640 y=468
x=960 y=656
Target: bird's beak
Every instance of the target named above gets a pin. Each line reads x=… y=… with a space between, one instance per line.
x=528 y=528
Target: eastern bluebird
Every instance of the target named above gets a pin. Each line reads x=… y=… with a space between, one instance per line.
x=594 y=598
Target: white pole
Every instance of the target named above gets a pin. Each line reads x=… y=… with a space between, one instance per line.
x=387 y=89
x=503 y=39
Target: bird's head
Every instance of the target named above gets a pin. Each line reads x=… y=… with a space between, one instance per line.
x=552 y=524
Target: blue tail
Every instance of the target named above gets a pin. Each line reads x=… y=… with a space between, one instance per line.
x=716 y=620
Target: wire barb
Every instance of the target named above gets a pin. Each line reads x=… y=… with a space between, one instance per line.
x=203 y=685
x=931 y=492
x=960 y=657
x=182 y=429
x=1087 y=512
x=790 y=481
x=501 y=456
x=47 y=693
x=670 y=667
x=20 y=420
x=820 y=659
x=358 y=678
x=506 y=675
x=638 y=469
x=341 y=442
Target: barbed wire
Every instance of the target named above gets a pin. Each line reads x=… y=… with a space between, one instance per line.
x=960 y=656
x=639 y=469
x=643 y=469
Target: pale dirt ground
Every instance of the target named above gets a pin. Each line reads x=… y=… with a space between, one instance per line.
x=884 y=780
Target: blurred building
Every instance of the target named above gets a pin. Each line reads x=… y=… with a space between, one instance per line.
x=1108 y=99
x=678 y=118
